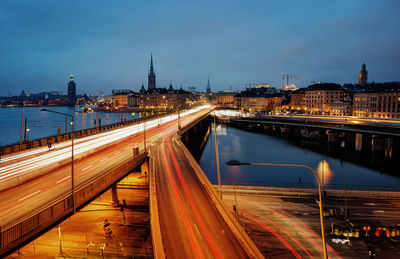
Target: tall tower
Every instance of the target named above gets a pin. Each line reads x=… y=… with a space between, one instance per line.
x=208 y=86
x=71 y=91
x=363 y=76
x=151 y=76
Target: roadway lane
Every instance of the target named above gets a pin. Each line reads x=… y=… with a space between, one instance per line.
x=190 y=224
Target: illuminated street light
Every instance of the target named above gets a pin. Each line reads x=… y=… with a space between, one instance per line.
x=72 y=154
x=238 y=163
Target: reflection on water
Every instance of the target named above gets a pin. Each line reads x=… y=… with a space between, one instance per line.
x=260 y=148
x=324 y=171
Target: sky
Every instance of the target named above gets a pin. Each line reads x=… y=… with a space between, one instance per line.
x=107 y=44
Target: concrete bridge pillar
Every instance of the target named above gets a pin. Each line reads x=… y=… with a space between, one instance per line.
x=333 y=136
x=358 y=141
x=135 y=151
x=388 y=147
x=349 y=139
x=285 y=130
x=114 y=193
x=145 y=168
x=377 y=143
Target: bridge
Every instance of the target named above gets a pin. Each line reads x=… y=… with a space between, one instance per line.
x=187 y=217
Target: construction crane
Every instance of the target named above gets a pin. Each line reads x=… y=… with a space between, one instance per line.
x=288 y=77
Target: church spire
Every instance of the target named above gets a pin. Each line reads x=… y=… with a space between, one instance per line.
x=151 y=64
x=151 y=76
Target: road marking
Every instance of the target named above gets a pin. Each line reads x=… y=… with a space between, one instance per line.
x=379 y=211
x=198 y=232
x=65 y=178
x=29 y=195
x=103 y=159
x=370 y=204
x=116 y=153
x=87 y=167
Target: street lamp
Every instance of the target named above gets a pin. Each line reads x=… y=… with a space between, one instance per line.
x=238 y=163
x=27 y=132
x=72 y=154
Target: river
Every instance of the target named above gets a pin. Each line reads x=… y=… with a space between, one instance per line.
x=260 y=148
x=43 y=124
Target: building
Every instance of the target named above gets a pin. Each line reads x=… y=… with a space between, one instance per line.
x=363 y=75
x=377 y=104
x=274 y=103
x=320 y=96
x=120 y=100
x=344 y=108
x=254 y=103
x=133 y=100
x=71 y=91
x=151 y=80
x=192 y=89
x=225 y=98
x=166 y=99
x=298 y=100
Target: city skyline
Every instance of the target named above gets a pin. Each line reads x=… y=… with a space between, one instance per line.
x=233 y=44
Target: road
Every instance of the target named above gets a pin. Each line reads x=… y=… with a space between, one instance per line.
x=190 y=224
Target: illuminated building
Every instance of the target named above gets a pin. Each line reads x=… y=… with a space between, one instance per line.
x=298 y=100
x=225 y=98
x=320 y=96
x=273 y=103
x=344 y=108
x=120 y=100
x=377 y=104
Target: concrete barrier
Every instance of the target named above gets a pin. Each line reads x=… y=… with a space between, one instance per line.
x=156 y=238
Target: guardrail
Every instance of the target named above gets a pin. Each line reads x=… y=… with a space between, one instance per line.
x=313 y=186
x=307 y=192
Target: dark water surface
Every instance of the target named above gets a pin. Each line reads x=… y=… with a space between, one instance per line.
x=43 y=124
x=260 y=148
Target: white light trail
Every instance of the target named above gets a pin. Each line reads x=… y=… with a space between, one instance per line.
x=82 y=147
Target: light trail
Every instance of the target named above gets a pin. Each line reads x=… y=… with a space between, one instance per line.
x=62 y=180
x=290 y=236
x=264 y=226
x=27 y=196
x=198 y=253
x=87 y=167
x=203 y=227
x=84 y=147
x=310 y=230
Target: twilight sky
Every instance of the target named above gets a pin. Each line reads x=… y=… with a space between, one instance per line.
x=107 y=44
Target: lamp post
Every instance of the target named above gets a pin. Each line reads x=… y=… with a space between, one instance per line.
x=144 y=136
x=72 y=154
x=217 y=160
x=238 y=163
x=27 y=132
